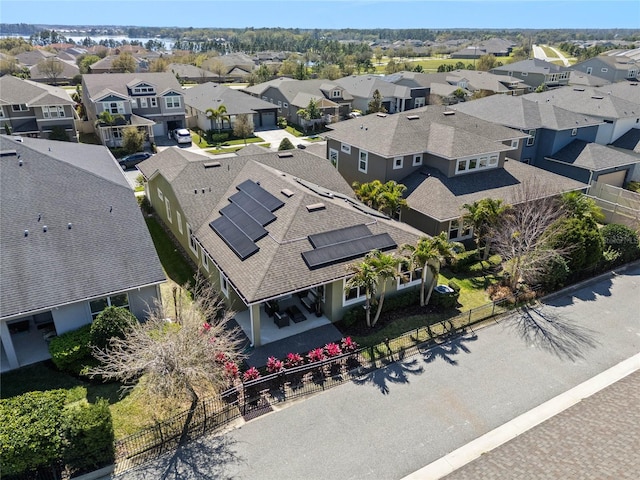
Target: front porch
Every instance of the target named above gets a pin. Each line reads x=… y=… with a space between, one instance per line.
x=29 y=343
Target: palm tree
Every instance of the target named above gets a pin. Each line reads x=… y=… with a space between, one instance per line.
x=368 y=192
x=429 y=253
x=390 y=197
x=484 y=215
x=578 y=205
x=365 y=278
x=216 y=114
x=386 y=267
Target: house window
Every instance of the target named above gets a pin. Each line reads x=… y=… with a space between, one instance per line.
x=419 y=102
x=143 y=103
x=279 y=104
x=333 y=157
x=345 y=148
x=515 y=143
x=473 y=163
x=408 y=278
x=632 y=73
x=179 y=220
x=134 y=103
x=167 y=206
x=604 y=70
x=153 y=102
x=461 y=166
x=173 y=101
x=336 y=94
x=141 y=90
x=532 y=139
x=113 y=107
x=363 y=161
x=224 y=285
x=482 y=163
x=493 y=160
x=458 y=229
x=574 y=132
x=398 y=162
x=116 y=133
x=205 y=260
x=192 y=241
x=54 y=111
x=160 y=195
x=19 y=107
x=1 y=112
x=352 y=296
x=99 y=304
x=417 y=160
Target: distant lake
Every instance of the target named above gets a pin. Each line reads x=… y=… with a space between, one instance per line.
x=167 y=42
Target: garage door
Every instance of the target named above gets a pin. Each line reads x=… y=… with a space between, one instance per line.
x=268 y=119
x=158 y=130
x=614 y=178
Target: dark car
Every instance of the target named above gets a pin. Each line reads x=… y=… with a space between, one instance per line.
x=133 y=159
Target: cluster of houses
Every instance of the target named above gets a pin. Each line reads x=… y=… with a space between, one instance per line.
x=274 y=231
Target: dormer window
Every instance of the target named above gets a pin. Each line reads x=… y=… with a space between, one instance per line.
x=146 y=90
x=336 y=94
x=173 y=102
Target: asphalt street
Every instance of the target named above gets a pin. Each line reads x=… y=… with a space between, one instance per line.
x=403 y=417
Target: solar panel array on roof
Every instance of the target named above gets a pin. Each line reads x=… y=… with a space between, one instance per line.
x=340 y=235
x=260 y=195
x=235 y=238
x=243 y=220
x=347 y=250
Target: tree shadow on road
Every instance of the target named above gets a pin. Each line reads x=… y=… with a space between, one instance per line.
x=395 y=373
x=545 y=329
x=205 y=458
x=446 y=349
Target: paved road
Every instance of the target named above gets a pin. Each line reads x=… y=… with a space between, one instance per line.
x=415 y=411
x=538 y=52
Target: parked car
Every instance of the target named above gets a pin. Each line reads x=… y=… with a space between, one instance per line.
x=132 y=160
x=181 y=135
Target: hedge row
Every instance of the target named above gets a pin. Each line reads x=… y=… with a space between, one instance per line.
x=37 y=429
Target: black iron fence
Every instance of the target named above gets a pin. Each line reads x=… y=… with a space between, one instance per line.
x=251 y=399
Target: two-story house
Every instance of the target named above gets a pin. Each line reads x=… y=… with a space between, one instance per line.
x=153 y=102
x=535 y=72
x=291 y=95
x=72 y=242
x=34 y=109
x=613 y=65
x=395 y=97
x=273 y=232
x=445 y=158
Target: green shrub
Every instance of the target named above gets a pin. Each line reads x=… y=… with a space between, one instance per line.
x=633 y=186
x=111 y=322
x=394 y=302
x=219 y=137
x=144 y=204
x=464 y=260
x=286 y=144
x=30 y=431
x=71 y=351
x=282 y=122
x=87 y=430
x=58 y=133
x=622 y=240
x=556 y=274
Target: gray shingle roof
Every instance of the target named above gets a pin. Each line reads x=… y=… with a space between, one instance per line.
x=212 y=95
x=108 y=247
x=278 y=267
x=14 y=90
x=629 y=141
x=439 y=197
x=592 y=156
x=363 y=86
x=291 y=88
x=117 y=82
x=532 y=65
x=433 y=131
x=189 y=71
x=588 y=101
x=523 y=112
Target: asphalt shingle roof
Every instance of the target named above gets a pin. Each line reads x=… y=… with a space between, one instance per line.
x=117 y=82
x=212 y=95
x=426 y=129
x=14 y=90
x=592 y=156
x=435 y=195
x=107 y=248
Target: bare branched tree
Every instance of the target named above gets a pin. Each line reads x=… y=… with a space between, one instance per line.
x=522 y=234
x=189 y=355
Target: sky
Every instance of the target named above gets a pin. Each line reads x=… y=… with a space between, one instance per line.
x=336 y=14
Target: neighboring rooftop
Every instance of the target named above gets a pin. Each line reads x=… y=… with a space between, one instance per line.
x=592 y=156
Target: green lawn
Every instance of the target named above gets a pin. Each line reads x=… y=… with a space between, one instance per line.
x=548 y=52
x=431 y=64
x=202 y=142
x=175 y=266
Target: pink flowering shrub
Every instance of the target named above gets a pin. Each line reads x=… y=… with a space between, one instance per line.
x=205 y=328
x=316 y=355
x=251 y=374
x=231 y=370
x=274 y=365
x=293 y=360
x=221 y=357
x=332 y=349
x=348 y=345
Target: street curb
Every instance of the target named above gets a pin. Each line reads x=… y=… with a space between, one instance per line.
x=502 y=434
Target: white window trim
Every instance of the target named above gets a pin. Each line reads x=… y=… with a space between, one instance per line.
x=332 y=152
x=415 y=277
x=160 y=195
x=417 y=160
x=58 y=110
x=360 y=298
x=363 y=156
x=397 y=166
x=515 y=143
x=532 y=139
x=224 y=285
x=21 y=107
x=474 y=164
x=167 y=206
x=179 y=220
x=345 y=148
x=574 y=132
x=205 y=259
x=419 y=102
x=153 y=102
x=173 y=99
x=192 y=242
x=108 y=299
x=461 y=227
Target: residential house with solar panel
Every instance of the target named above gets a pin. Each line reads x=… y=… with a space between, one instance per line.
x=274 y=233
x=72 y=242
x=445 y=158
x=153 y=102
x=560 y=140
x=34 y=110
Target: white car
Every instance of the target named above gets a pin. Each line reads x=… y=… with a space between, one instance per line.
x=181 y=135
